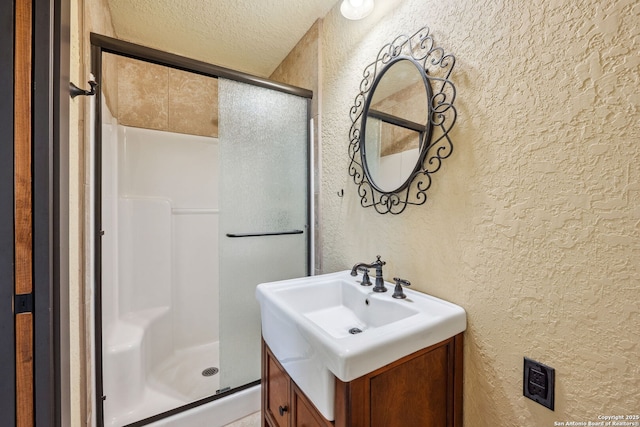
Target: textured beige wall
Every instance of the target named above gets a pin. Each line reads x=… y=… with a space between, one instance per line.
x=75 y=193
x=301 y=66
x=86 y=16
x=533 y=224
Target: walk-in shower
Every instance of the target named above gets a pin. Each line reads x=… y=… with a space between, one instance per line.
x=202 y=182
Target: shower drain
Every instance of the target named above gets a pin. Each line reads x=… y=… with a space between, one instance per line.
x=209 y=372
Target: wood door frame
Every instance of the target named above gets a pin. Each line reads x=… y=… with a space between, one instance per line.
x=7 y=350
x=24 y=200
x=47 y=193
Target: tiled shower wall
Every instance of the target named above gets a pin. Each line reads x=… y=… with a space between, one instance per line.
x=150 y=96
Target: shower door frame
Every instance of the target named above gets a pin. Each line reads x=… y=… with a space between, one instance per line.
x=103 y=44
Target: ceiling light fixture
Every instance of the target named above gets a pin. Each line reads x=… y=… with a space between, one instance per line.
x=356 y=9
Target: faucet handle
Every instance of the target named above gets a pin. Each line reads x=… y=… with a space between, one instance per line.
x=398 y=292
x=378 y=261
x=366 y=281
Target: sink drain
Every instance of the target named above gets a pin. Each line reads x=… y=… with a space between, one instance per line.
x=210 y=372
x=354 y=331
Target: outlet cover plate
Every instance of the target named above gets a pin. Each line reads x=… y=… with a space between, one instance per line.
x=539 y=382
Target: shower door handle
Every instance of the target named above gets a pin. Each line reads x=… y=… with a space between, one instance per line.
x=273 y=233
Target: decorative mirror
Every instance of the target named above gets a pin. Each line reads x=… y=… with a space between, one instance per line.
x=401 y=121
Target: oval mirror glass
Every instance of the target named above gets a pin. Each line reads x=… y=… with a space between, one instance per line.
x=395 y=125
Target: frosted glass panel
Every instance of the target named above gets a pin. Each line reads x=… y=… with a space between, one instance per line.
x=263 y=189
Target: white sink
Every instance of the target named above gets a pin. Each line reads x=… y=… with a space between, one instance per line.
x=307 y=322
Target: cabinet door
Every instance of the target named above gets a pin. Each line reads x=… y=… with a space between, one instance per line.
x=304 y=413
x=277 y=399
x=413 y=393
x=423 y=389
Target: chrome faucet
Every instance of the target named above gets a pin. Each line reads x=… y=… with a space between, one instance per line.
x=377 y=264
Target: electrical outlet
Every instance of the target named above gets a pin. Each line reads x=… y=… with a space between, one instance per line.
x=539 y=382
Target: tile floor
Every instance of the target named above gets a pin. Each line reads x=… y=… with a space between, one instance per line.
x=252 y=420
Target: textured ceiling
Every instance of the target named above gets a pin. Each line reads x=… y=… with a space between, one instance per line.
x=253 y=36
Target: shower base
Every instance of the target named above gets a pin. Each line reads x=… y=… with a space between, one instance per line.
x=181 y=375
x=175 y=382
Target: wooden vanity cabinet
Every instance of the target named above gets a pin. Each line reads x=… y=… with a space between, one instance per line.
x=423 y=389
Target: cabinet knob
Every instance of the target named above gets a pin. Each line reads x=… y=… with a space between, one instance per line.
x=282 y=410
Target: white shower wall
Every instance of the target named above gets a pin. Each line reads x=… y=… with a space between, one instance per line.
x=159 y=270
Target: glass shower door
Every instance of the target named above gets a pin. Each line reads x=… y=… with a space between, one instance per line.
x=264 y=217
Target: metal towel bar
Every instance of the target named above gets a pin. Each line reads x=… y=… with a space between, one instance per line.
x=274 y=233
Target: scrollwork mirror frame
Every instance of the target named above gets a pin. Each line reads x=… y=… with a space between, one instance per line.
x=435 y=65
